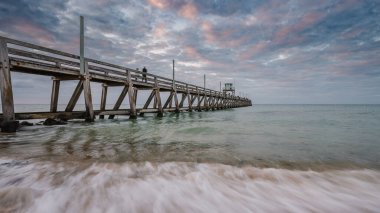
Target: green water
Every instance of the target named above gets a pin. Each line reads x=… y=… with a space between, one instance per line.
x=264 y=135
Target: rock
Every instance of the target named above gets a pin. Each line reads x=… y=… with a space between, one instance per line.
x=26 y=123
x=40 y=123
x=10 y=126
x=51 y=122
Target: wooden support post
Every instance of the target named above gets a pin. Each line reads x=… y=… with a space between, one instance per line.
x=155 y=103
x=8 y=124
x=54 y=95
x=193 y=99
x=168 y=100
x=176 y=102
x=90 y=115
x=135 y=95
x=218 y=102
x=209 y=101
x=171 y=100
x=132 y=101
x=189 y=99
x=146 y=105
x=183 y=97
x=103 y=100
x=119 y=100
x=74 y=98
x=213 y=102
x=205 y=101
x=158 y=98
x=200 y=103
x=199 y=100
x=151 y=96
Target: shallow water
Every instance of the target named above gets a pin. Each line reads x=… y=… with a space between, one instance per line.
x=293 y=158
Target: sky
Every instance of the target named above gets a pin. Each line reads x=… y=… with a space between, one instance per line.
x=274 y=51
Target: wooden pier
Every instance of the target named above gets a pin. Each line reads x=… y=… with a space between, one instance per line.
x=19 y=56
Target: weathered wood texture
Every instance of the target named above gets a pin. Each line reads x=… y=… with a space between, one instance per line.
x=74 y=98
x=54 y=95
x=119 y=101
x=132 y=100
x=6 y=84
x=103 y=100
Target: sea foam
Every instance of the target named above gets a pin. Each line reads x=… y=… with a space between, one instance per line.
x=28 y=186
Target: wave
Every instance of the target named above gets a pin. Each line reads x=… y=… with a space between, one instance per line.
x=29 y=186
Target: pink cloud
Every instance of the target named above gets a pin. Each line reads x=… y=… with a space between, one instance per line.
x=253 y=50
x=160 y=31
x=346 y=4
x=161 y=4
x=193 y=53
x=208 y=32
x=221 y=39
x=34 y=31
x=188 y=11
x=307 y=21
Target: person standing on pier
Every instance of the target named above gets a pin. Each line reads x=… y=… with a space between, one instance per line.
x=144 y=75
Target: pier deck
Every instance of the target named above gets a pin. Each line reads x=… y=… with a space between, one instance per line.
x=19 y=56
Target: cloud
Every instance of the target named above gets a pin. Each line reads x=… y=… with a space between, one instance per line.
x=161 y=4
x=188 y=11
x=253 y=50
x=272 y=48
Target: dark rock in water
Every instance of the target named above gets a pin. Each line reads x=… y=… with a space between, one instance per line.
x=51 y=122
x=10 y=126
x=40 y=123
x=26 y=123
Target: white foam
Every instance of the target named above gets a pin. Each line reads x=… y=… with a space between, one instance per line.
x=183 y=187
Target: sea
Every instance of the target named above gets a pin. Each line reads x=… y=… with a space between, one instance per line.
x=265 y=158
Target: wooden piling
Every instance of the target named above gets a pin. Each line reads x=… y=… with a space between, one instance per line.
x=199 y=100
x=132 y=101
x=103 y=100
x=189 y=99
x=205 y=101
x=183 y=97
x=54 y=95
x=6 y=84
x=158 y=98
x=176 y=102
x=90 y=116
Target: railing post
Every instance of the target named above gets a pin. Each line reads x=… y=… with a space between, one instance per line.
x=8 y=124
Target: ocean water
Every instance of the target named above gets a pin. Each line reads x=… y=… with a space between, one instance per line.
x=266 y=158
